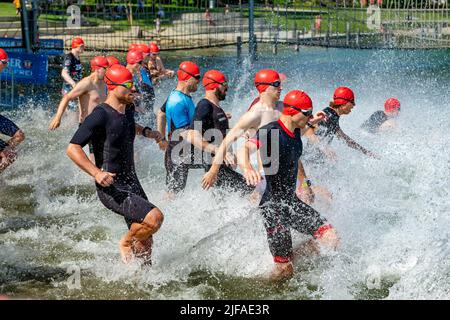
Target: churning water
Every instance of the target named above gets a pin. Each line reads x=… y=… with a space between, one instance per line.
x=57 y=240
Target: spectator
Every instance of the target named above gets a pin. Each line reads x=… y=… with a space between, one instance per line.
x=158 y=25
x=208 y=18
x=160 y=13
x=17 y=5
x=227 y=9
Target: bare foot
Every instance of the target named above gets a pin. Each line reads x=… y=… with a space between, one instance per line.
x=126 y=251
x=143 y=250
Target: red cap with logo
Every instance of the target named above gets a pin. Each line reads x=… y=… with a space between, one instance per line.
x=99 y=62
x=391 y=105
x=116 y=75
x=76 y=42
x=296 y=101
x=112 y=60
x=264 y=78
x=187 y=70
x=342 y=95
x=213 y=79
x=134 y=56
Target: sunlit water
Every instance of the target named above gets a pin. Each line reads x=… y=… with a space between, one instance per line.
x=392 y=214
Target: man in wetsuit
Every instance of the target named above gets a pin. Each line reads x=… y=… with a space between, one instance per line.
x=112 y=129
x=263 y=111
x=342 y=104
x=8 y=149
x=209 y=127
x=280 y=148
x=175 y=116
x=383 y=120
x=91 y=91
x=72 y=71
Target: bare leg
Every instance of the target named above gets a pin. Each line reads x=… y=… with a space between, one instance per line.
x=5 y=162
x=282 y=272
x=329 y=239
x=140 y=232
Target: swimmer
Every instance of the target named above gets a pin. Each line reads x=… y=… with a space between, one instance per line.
x=385 y=120
x=280 y=148
x=8 y=153
x=156 y=66
x=326 y=129
x=112 y=130
x=72 y=71
x=176 y=116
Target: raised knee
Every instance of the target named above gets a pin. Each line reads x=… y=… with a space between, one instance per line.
x=327 y=236
x=153 y=220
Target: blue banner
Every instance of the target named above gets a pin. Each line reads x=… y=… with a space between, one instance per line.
x=26 y=68
x=50 y=47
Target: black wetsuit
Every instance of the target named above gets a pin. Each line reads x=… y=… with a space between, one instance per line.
x=75 y=69
x=375 y=121
x=280 y=207
x=112 y=135
x=328 y=127
x=7 y=127
x=209 y=116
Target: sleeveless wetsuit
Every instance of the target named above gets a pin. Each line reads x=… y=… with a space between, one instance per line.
x=374 y=122
x=281 y=209
x=328 y=127
x=7 y=127
x=112 y=135
x=75 y=69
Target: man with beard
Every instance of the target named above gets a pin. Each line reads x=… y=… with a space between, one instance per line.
x=112 y=129
x=176 y=116
x=209 y=128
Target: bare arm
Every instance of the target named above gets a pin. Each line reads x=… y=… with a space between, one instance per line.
x=251 y=175
x=161 y=123
x=248 y=120
x=80 y=88
x=151 y=134
x=195 y=138
x=352 y=143
x=66 y=76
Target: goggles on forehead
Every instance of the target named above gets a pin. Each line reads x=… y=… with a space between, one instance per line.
x=197 y=77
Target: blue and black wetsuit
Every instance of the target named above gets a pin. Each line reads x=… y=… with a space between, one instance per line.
x=210 y=116
x=112 y=135
x=179 y=109
x=144 y=86
x=282 y=211
x=7 y=127
x=375 y=121
x=75 y=69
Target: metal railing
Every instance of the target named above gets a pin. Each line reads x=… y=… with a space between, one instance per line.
x=184 y=24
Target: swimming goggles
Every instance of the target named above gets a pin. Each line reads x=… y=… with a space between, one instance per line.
x=275 y=84
x=306 y=113
x=225 y=84
x=197 y=77
x=128 y=84
x=4 y=61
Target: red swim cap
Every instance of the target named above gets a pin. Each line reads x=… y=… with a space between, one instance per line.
x=263 y=77
x=99 y=62
x=134 y=56
x=154 y=47
x=391 y=105
x=142 y=48
x=76 y=42
x=132 y=46
x=296 y=101
x=3 y=55
x=112 y=60
x=342 y=95
x=213 y=79
x=117 y=74
x=187 y=70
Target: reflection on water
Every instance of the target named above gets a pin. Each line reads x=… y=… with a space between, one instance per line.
x=392 y=214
